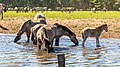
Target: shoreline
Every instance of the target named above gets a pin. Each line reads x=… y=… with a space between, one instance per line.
x=76 y=25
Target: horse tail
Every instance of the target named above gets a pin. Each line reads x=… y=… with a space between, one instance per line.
x=46 y=38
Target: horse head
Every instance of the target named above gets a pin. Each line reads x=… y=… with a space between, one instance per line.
x=18 y=37
x=105 y=27
x=39 y=15
x=24 y=28
x=66 y=31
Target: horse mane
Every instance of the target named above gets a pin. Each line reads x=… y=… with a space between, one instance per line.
x=24 y=24
x=43 y=21
x=64 y=28
x=99 y=27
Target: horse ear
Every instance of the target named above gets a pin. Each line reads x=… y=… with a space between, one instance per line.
x=56 y=24
x=105 y=24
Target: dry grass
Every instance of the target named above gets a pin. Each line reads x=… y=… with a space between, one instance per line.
x=76 y=25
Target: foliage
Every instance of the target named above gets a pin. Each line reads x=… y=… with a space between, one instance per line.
x=52 y=4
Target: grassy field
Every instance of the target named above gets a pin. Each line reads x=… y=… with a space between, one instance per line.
x=76 y=21
x=66 y=15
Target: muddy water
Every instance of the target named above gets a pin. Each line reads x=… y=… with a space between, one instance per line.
x=22 y=54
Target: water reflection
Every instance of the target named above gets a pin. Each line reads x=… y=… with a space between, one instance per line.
x=91 y=54
x=45 y=58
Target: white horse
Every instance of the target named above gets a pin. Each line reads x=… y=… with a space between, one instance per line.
x=39 y=15
x=93 y=32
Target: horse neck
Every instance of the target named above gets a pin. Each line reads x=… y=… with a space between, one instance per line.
x=57 y=32
x=33 y=24
x=100 y=29
x=26 y=27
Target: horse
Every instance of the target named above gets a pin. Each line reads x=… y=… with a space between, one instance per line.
x=47 y=33
x=34 y=30
x=93 y=32
x=26 y=27
x=39 y=15
x=2 y=8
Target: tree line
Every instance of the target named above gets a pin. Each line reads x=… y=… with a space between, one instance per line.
x=53 y=4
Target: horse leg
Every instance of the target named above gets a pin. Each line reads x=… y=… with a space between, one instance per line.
x=28 y=36
x=97 y=42
x=83 y=42
x=2 y=15
x=47 y=45
x=52 y=43
x=52 y=50
x=57 y=41
x=32 y=36
x=39 y=43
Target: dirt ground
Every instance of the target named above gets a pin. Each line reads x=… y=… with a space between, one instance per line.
x=12 y=25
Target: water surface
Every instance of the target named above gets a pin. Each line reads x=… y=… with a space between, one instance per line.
x=23 y=54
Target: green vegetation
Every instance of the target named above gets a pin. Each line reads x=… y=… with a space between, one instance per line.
x=52 y=4
x=65 y=15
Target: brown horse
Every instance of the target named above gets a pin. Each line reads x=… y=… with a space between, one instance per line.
x=93 y=32
x=34 y=31
x=47 y=33
x=26 y=27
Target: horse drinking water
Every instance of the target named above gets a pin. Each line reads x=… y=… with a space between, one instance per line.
x=25 y=27
x=93 y=32
x=46 y=34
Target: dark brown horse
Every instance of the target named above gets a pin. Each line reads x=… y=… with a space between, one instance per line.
x=26 y=27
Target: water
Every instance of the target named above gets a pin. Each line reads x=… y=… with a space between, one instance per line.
x=23 y=54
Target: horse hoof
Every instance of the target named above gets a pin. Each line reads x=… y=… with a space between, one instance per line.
x=98 y=46
x=74 y=45
x=51 y=50
x=83 y=46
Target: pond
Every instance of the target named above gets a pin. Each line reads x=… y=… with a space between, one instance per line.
x=23 y=54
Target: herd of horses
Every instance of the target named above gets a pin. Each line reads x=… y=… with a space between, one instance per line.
x=43 y=34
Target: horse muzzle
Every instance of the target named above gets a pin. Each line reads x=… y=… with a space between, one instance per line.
x=17 y=38
x=76 y=43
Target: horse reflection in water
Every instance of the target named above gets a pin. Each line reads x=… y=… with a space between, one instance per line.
x=47 y=33
x=91 y=54
x=93 y=32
